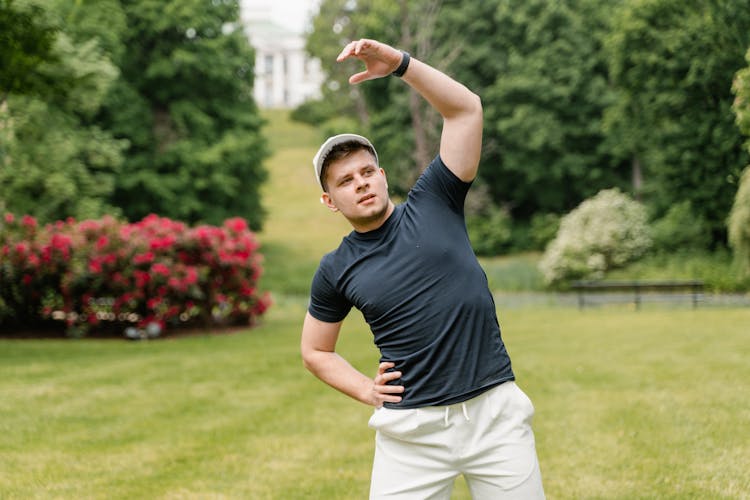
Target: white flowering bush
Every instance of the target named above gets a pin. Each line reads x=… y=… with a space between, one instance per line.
x=602 y=233
x=739 y=224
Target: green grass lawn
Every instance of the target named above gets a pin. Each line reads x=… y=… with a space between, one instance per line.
x=650 y=404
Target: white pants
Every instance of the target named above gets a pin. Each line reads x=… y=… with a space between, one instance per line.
x=488 y=439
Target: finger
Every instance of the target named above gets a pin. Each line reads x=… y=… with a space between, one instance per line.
x=347 y=51
x=359 y=77
x=389 y=389
x=385 y=377
x=385 y=365
x=362 y=45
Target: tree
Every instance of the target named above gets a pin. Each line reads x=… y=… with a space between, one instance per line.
x=545 y=107
x=26 y=39
x=55 y=162
x=538 y=68
x=185 y=105
x=672 y=63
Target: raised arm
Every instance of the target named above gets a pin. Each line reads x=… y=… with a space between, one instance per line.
x=319 y=356
x=461 y=109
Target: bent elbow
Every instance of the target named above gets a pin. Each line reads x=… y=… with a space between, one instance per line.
x=476 y=106
x=306 y=358
x=310 y=359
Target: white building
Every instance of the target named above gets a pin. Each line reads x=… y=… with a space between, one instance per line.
x=285 y=76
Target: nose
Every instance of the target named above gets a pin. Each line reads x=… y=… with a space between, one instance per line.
x=362 y=182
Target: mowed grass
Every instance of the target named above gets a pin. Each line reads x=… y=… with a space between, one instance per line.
x=649 y=404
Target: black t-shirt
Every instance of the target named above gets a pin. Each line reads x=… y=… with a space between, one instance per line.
x=423 y=293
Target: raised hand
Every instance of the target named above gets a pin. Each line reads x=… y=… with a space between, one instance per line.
x=380 y=59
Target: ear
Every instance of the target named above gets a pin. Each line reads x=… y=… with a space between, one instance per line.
x=326 y=200
x=386 y=177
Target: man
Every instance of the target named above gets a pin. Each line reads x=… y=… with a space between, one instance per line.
x=444 y=395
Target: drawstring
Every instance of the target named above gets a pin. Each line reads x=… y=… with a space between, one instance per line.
x=466 y=412
x=464 y=409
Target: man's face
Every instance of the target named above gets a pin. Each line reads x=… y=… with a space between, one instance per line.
x=357 y=188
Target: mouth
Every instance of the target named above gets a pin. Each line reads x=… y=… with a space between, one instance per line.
x=366 y=198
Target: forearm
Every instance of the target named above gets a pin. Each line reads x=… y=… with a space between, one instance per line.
x=461 y=139
x=339 y=374
x=449 y=97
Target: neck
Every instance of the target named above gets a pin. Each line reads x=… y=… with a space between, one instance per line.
x=373 y=223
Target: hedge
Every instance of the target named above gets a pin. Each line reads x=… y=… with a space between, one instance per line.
x=138 y=278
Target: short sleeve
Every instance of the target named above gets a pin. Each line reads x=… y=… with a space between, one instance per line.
x=439 y=180
x=326 y=303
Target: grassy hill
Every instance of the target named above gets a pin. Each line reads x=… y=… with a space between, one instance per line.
x=298 y=229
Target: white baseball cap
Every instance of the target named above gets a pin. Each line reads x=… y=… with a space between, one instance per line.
x=332 y=142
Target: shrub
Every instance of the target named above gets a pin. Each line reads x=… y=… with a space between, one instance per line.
x=490 y=232
x=150 y=275
x=543 y=229
x=681 y=229
x=602 y=233
x=739 y=224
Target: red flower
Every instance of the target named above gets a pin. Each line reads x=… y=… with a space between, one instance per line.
x=142 y=278
x=143 y=258
x=160 y=268
x=33 y=260
x=102 y=242
x=9 y=218
x=236 y=224
x=191 y=276
x=162 y=243
x=95 y=266
x=28 y=221
x=21 y=249
x=176 y=284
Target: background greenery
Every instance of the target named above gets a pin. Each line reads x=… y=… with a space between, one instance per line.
x=579 y=96
x=128 y=107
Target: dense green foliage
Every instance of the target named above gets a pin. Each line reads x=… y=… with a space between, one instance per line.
x=146 y=107
x=51 y=148
x=672 y=63
x=579 y=96
x=26 y=40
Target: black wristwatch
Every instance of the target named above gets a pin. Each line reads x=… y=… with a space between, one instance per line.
x=405 y=58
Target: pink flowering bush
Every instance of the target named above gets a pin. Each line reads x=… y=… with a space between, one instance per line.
x=97 y=275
